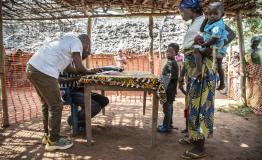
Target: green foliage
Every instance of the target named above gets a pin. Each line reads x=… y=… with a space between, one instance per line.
x=251 y=26
x=237 y=109
x=254 y=25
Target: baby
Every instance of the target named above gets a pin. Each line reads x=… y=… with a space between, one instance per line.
x=215 y=36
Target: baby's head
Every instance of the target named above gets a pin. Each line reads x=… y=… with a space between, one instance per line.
x=215 y=11
x=172 y=50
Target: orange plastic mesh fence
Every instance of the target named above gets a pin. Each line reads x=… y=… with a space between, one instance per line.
x=23 y=101
x=24 y=104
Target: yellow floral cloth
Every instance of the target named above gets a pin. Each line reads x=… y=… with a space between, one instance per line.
x=144 y=80
x=200 y=98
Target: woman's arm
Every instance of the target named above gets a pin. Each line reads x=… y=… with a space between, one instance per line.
x=231 y=35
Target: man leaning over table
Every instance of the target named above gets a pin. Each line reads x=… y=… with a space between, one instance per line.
x=43 y=70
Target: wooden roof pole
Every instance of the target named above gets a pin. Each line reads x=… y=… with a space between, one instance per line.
x=93 y=16
x=242 y=58
x=89 y=32
x=151 y=50
x=2 y=73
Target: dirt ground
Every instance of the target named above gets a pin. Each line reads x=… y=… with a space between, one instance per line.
x=124 y=134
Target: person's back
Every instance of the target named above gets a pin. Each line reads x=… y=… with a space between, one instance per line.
x=54 y=57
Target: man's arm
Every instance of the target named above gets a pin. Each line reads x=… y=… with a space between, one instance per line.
x=66 y=80
x=79 y=67
x=70 y=69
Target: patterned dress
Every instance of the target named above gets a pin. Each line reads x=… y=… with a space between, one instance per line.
x=200 y=98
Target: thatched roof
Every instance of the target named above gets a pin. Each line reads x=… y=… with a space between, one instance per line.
x=63 y=9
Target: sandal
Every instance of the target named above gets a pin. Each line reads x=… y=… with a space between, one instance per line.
x=184 y=141
x=191 y=155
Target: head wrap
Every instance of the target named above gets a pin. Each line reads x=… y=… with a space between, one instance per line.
x=255 y=38
x=189 y=4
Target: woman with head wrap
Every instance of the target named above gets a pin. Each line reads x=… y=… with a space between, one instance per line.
x=255 y=51
x=200 y=92
x=254 y=55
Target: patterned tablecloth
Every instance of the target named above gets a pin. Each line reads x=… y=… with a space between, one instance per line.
x=144 y=80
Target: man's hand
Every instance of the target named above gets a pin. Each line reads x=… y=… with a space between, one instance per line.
x=96 y=70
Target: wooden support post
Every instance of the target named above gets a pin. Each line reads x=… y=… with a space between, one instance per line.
x=228 y=71
x=144 y=102
x=154 y=118
x=89 y=32
x=2 y=73
x=160 y=37
x=87 y=93
x=151 y=53
x=242 y=58
x=103 y=109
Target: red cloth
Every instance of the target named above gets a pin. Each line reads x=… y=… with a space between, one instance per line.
x=186 y=113
x=199 y=39
x=179 y=57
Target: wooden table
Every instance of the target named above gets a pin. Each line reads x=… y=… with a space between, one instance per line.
x=90 y=87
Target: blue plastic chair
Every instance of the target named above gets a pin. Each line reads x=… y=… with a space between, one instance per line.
x=67 y=100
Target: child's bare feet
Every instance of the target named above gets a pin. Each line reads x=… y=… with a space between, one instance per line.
x=221 y=86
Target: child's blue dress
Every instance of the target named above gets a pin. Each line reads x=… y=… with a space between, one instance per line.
x=218 y=30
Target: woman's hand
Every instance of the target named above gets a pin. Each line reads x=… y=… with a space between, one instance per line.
x=181 y=86
x=181 y=79
x=208 y=52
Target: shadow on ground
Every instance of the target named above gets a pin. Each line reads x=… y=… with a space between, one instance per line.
x=124 y=134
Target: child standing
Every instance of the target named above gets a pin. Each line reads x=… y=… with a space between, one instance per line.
x=169 y=76
x=215 y=35
x=121 y=60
